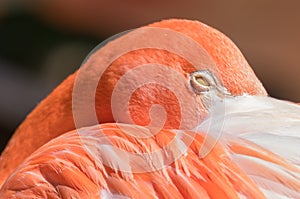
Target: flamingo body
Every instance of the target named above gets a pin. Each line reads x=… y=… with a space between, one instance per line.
x=226 y=153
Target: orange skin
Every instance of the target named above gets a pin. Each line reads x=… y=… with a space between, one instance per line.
x=53 y=116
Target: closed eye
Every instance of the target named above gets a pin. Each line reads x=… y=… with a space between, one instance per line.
x=201 y=81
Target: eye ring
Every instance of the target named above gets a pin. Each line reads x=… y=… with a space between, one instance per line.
x=202 y=81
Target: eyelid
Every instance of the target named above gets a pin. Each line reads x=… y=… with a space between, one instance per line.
x=201 y=81
x=211 y=82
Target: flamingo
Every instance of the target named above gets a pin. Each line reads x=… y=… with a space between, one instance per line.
x=169 y=110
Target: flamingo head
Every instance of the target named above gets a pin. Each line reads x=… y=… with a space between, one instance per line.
x=159 y=74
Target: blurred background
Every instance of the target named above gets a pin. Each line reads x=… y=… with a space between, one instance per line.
x=42 y=41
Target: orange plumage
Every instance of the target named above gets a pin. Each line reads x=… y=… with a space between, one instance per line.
x=65 y=168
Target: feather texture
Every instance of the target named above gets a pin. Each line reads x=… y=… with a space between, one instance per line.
x=262 y=136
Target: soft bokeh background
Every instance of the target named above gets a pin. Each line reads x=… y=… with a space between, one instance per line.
x=42 y=41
